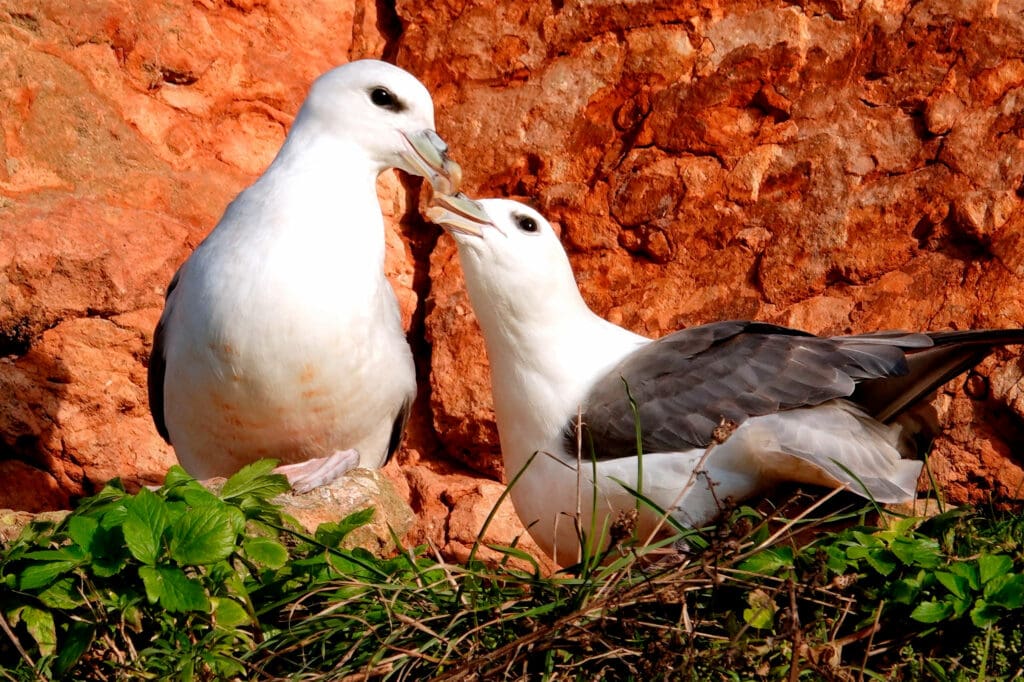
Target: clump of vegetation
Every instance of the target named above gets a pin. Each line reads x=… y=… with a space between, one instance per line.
x=185 y=584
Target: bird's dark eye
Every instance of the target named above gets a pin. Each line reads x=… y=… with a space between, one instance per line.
x=525 y=223
x=383 y=98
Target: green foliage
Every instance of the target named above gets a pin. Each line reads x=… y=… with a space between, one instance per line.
x=180 y=583
x=157 y=584
x=948 y=588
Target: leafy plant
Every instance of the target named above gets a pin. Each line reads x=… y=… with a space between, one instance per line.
x=160 y=581
x=183 y=583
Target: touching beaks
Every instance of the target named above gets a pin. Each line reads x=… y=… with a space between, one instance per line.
x=459 y=214
x=427 y=153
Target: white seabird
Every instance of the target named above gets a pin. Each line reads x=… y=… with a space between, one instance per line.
x=807 y=409
x=281 y=337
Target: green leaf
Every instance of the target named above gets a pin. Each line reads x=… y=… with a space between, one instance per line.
x=177 y=476
x=110 y=493
x=35 y=576
x=936 y=669
x=836 y=560
x=144 y=526
x=769 y=561
x=984 y=614
x=905 y=591
x=153 y=582
x=174 y=590
x=206 y=534
x=265 y=552
x=257 y=480
x=39 y=623
x=1006 y=591
x=109 y=550
x=199 y=496
x=176 y=509
x=81 y=529
x=903 y=527
x=115 y=515
x=101 y=504
x=221 y=573
x=932 y=611
x=357 y=562
x=956 y=584
x=184 y=593
x=921 y=552
x=992 y=565
x=69 y=553
x=260 y=467
x=761 y=612
x=881 y=560
x=62 y=594
x=332 y=534
x=229 y=614
x=960 y=606
x=967 y=571
x=518 y=554
x=74 y=642
x=356 y=519
x=867 y=540
x=226 y=667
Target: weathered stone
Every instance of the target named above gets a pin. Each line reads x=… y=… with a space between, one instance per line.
x=13 y=521
x=357 y=490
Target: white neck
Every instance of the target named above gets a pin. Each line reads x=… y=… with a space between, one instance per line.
x=310 y=151
x=544 y=357
x=324 y=187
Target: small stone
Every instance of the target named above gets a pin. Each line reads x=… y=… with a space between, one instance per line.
x=976 y=386
x=941 y=113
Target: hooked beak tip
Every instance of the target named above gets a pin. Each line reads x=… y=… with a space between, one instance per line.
x=427 y=153
x=459 y=215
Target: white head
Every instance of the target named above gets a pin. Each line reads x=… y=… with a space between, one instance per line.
x=515 y=266
x=387 y=112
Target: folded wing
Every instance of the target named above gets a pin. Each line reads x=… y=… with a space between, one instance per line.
x=685 y=384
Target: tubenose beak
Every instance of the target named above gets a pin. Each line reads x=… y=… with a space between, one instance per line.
x=427 y=153
x=459 y=214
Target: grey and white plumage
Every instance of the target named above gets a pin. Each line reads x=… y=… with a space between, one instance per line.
x=281 y=336
x=806 y=408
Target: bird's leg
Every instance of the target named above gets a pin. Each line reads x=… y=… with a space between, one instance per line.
x=313 y=473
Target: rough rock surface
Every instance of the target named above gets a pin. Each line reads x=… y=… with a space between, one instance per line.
x=833 y=165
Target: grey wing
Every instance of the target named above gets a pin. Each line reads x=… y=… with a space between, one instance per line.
x=686 y=383
x=398 y=428
x=954 y=352
x=158 y=365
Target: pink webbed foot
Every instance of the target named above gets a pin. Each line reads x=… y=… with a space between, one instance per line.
x=313 y=473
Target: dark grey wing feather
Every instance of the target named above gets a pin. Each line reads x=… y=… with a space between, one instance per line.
x=686 y=383
x=158 y=367
x=952 y=354
x=398 y=429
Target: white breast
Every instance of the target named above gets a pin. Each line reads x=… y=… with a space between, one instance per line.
x=283 y=338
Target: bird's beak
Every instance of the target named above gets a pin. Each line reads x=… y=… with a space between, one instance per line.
x=427 y=154
x=458 y=214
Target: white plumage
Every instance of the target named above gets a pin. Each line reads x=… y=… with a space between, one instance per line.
x=281 y=337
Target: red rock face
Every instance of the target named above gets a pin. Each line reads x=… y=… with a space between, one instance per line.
x=839 y=167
